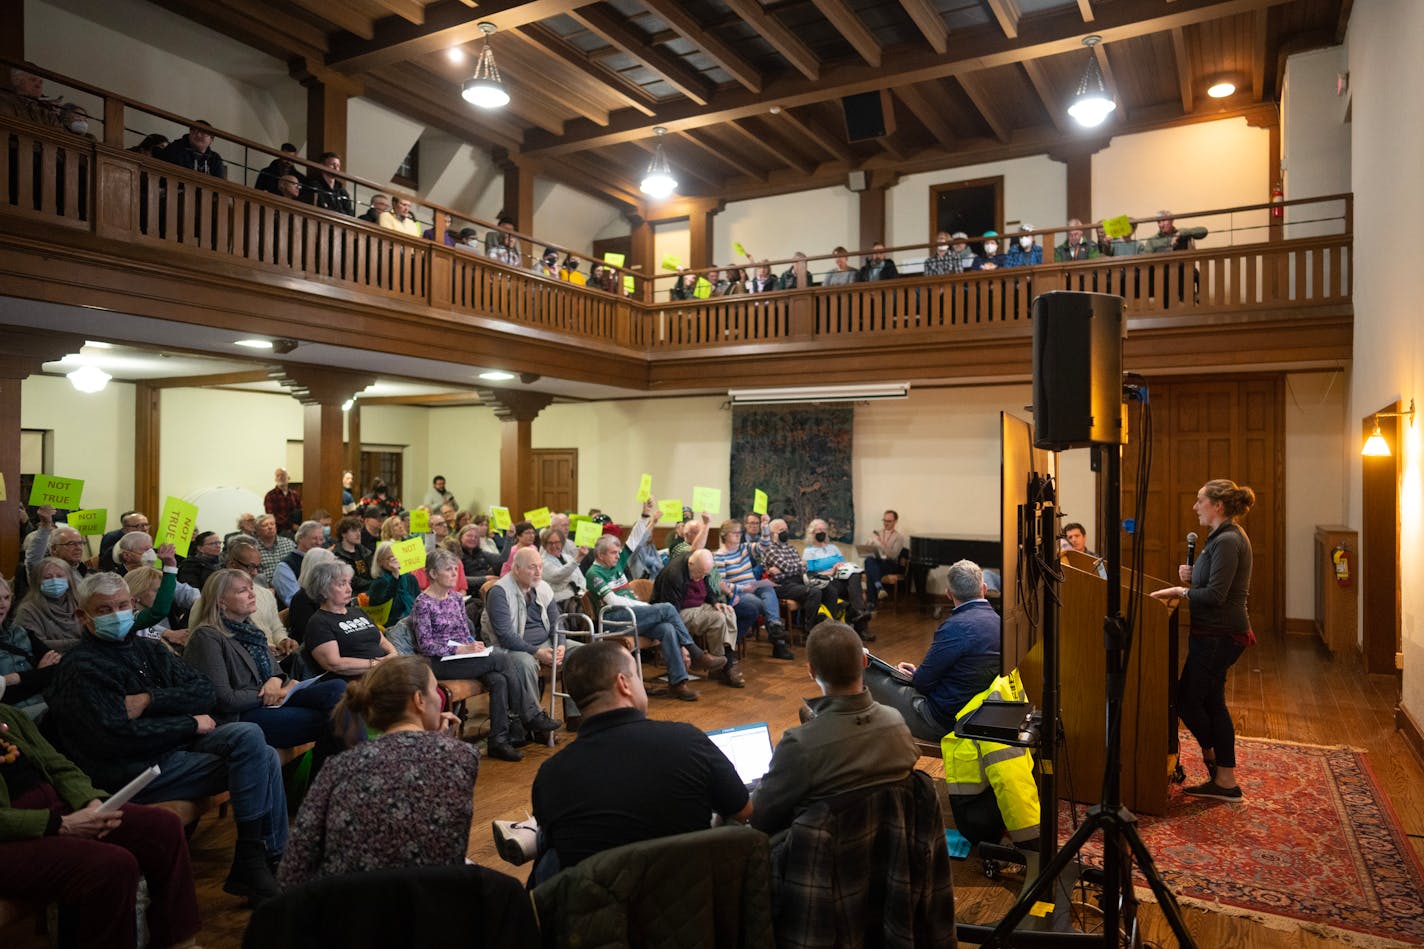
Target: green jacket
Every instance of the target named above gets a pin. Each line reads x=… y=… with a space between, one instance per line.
x=68 y=781
x=1180 y=239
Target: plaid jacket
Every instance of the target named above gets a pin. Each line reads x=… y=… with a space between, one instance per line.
x=785 y=558
x=866 y=868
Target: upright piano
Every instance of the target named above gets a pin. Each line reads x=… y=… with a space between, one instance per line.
x=929 y=551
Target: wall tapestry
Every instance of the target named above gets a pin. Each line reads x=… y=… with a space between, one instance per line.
x=801 y=457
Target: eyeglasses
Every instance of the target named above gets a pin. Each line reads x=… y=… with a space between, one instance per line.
x=70 y=543
x=249 y=567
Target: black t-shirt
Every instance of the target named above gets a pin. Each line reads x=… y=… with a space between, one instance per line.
x=627 y=779
x=354 y=634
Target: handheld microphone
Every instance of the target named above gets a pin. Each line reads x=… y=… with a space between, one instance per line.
x=1191 y=548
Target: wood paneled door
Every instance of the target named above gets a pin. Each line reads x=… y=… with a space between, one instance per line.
x=553 y=477
x=1203 y=430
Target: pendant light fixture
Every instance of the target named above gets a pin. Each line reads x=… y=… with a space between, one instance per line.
x=484 y=89
x=658 y=181
x=1092 y=104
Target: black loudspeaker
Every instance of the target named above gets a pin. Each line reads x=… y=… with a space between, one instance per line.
x=868 y=115
x=1077 y=370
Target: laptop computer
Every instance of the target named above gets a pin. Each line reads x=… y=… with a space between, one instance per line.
x=748 y=747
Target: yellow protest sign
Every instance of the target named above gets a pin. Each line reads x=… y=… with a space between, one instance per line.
x=419 y=521
x=380 y=613
x=176 y=525
x=1119 y=226
x=738 y=249
x=587 y=534
x=3 y=495
x=539 y=517
x=628 y=285
x=706 y=500
x=62 y=493
x=645 y=488
x=410 y=553
x=672 y=510
x=703 y=289
x=614 y=259
x=759 y=502
x=89 y=523
x=499 y=518
x=671 y=262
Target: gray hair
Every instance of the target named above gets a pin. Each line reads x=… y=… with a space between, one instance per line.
x=604 y=544
x=266 y=517
x=318 y=582
x=966 y=581
x=100 y=584
x=312 y=559
x=240 y=542
x=439 y=559
x=132 y=541
x=57 y=536
x=308 y=527
x=36 y=595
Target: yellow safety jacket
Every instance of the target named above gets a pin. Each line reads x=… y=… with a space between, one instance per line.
x=970 y=766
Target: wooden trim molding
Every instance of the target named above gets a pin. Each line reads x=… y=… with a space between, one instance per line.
x=1409 y=728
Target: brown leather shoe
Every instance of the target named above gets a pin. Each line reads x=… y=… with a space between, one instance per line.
x=707 y=663
x=732 y=676
x=682 y=692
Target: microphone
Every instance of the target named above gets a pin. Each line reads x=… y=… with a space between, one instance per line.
x=1191 y=548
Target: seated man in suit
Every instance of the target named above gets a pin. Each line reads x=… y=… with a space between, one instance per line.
x=961 y=662
x=850 y=742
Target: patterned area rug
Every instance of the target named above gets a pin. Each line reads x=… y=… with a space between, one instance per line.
x=1315 y=846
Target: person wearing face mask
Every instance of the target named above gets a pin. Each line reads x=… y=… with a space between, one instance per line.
x=569 y=270
x=783 y=566
x=991 y=259
x=51 y=540
x=946 y=258
x=844 y=584
x=1024 y=252
x=121 y=703
x=548 y=263
x=134 y=550
x=47 y=611
x=153 y=590
x=25 y=668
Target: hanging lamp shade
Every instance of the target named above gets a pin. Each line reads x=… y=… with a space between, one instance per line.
x=1091 y=104
x=484 y=88
x=658 y=180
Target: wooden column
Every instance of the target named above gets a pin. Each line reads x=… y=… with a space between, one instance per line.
x=322 y=392
x=22 y=353
x=640 y=254
x=1080 y=189
x=518 y=191
x=327 y=96
x=12 y=38
x=699 y=226
x=516 y=412
x=147 y=419
x=353 y=448
x=1273 y=175
x=872 y=216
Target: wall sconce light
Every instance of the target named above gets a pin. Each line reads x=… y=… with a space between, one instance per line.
x=1375 y=445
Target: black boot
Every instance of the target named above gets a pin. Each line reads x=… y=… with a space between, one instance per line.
x=779 y=647
x=250 y=875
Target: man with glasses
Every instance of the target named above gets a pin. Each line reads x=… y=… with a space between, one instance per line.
x=63 y=542
x=129 y=521
x=888 y=544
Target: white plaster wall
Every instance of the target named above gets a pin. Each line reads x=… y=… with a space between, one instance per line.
x=1315 y=140
x=1316 y=453
x=1384 y=62
x=93 y=437
x=464 y=447
x=406 y=427
x=573 y=219
x=1189 y=168
x=776 y=228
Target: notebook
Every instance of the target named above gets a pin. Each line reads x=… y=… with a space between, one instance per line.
x=748 y=747
x=894 y=672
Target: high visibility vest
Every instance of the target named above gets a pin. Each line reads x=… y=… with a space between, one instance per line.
x=971 y=766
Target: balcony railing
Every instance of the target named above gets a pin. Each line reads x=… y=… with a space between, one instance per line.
x=130 y=201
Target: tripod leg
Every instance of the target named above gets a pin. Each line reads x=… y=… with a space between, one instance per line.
x=1166 y=899
x=1047 y=877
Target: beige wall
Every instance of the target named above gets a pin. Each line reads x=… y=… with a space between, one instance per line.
x=1315 y=475
x=93 y=437
x=1384 y=64
x=464 y=447
x=255 y=427
x=1315 y=140
x=775 y=228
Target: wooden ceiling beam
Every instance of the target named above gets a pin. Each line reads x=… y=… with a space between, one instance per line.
x=347 y=18
x=730 y=159
x=1085 y=8
x=520 y=57
x=608 y=24
x=783 y=155
x=888 y=144
x=930 y=22
x=973 y=86
x=1007 y=13
x=447 y=23
x=1046 y=34
x=1260 y=38
x=412 y=11
x=272 y=31
x=550 y=43
x=1100 y=52
x=675 y=15
x=1048 y=95
x=923 y=109
x=849 y=25
x=682 y=166
x=1184 y=68
x=235 y=378
x=828 y=143
x=783 y=40
x=406 y=92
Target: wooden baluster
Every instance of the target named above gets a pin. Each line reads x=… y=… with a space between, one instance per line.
x=223 y=223
x=25 y=172
x=49 y=179
x=76 y=170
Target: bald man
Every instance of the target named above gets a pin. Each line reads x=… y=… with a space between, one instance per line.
x=687 y=583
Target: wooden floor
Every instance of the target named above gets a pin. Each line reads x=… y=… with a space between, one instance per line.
x=1286 y=688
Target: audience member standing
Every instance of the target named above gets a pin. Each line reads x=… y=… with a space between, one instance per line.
x=284 y=503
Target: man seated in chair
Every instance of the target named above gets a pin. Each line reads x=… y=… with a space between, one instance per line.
x=889 y=543
x=627 y=778
x=850 y=742
x=962 y=660
x=688 y=583
x=608 y=585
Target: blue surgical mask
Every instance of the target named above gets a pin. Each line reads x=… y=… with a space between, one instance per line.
x=114 y=626
x=54 y=587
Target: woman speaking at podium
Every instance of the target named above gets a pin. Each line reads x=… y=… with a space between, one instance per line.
x=1217 y=584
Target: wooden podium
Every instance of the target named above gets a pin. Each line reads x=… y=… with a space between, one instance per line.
x=1149 y=721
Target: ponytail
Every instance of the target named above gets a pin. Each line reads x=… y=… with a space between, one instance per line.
x=380 y=697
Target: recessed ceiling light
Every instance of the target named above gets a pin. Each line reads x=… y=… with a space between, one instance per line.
x=98 y=344
x=497 y=375
x=255 y=343
x=1222 y=89
x=456 y=55
x=88 y=379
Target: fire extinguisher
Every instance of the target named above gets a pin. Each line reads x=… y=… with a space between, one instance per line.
x=1340 y=556
x=1277 y=196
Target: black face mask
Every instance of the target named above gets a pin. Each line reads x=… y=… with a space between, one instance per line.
x=783 y=537
x=820 y=537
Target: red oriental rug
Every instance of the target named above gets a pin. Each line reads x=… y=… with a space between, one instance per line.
x=1314 y=846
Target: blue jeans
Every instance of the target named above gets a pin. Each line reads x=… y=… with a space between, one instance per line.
x=234 y=758
x=875 y=568
x=662 y=621
x=306 y=717
x=763 y=594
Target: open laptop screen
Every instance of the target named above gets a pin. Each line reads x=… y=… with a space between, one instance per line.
x=748 y=747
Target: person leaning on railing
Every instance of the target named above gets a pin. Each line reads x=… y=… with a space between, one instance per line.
x=1074 y=247
x=195 y=151
x=400 y=218
x=1170 y=237
x=326 y=190
x=25 y=99
x=269 y=177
